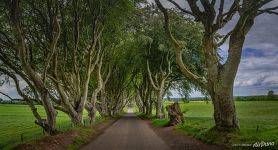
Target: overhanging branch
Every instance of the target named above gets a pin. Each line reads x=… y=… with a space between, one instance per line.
x=268 y=10
x=6 y=95
x=181 y=9
x=201 y=81
x=223 y=40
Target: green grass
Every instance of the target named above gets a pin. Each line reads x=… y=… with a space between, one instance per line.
x=17 y=121
x=252 y=115
x=160 y=122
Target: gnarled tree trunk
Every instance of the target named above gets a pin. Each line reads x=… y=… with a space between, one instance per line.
x=159 y=102
x=151 y=108
x=76 y=118
x=175 y=114
x=104 y=112
x=224 y=109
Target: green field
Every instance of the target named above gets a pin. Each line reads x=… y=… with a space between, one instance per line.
x=17 y=122
x=258 y=122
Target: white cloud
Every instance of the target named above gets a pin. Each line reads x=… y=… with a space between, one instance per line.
x=258 y=72
x=10 y=89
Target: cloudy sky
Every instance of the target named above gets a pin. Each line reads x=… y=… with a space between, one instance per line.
x=258 y=70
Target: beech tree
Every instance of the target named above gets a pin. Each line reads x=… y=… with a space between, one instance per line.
x=158 y=54
x=160 y=78
x=56 y=47
x=15 y=56
x=144 y=90
x=118 y=87
x=219 y=78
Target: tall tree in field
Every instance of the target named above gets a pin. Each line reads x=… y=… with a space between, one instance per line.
x=219 y=78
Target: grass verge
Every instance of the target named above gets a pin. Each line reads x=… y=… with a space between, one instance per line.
x=86 y=134
x=72 y=139
x=17 y=124
x=258 y=124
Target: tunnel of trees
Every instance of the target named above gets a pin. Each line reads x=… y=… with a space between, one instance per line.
x=99 y=55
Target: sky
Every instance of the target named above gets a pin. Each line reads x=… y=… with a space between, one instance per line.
x=258 y=70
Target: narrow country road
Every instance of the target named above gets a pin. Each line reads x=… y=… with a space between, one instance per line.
x=128 y=133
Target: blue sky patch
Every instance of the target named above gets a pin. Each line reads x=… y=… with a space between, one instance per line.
x=251 y=52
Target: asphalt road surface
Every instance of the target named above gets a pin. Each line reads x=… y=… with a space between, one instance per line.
x=128 y=133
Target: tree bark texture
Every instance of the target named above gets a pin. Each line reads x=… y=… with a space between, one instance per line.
x=175 y=114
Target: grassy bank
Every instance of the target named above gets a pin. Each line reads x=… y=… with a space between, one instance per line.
x=85 y=134
x=258 y=122
x=17 y=124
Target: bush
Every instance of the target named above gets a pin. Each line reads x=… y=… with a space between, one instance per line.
x=257 y=98
x=185 y=100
